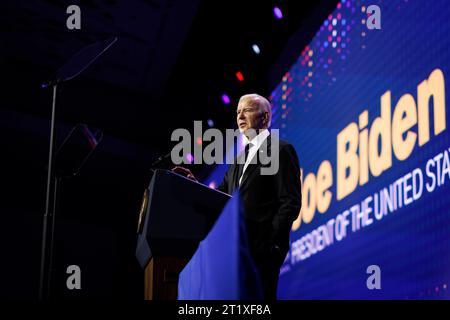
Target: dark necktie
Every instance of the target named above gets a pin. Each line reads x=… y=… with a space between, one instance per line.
x=241 y=166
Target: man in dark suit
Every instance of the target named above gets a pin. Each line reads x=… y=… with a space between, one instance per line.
x=271 y=202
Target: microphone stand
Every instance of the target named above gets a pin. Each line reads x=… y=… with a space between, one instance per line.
x=46 y=262
x=78 y=63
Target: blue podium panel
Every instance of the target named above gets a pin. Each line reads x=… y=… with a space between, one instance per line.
x=222 y=268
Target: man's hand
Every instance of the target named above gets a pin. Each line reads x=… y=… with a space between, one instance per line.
x=185 y=172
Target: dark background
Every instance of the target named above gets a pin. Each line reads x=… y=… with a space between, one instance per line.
x=173 y=61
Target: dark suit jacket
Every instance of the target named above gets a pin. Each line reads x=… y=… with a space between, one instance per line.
x=271 y=202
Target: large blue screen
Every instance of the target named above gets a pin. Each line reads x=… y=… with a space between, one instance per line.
x=365 y=107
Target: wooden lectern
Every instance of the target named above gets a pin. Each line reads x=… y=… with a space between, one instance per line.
x=176 y=214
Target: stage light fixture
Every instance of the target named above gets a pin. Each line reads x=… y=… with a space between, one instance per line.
x=225 y=99
x=277 y=12
x=239 y=76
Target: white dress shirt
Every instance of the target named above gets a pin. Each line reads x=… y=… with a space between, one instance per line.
x=256 y=143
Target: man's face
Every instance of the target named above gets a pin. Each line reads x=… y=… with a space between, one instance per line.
x=249 y=116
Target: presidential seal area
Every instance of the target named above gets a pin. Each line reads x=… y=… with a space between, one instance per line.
x=225 y=309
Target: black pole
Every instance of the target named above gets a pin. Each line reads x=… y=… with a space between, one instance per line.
x=43 y=288
x=57 y=182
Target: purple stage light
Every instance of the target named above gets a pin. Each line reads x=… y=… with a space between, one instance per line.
x=212 y=185
x=225 y=99
x=277 y=12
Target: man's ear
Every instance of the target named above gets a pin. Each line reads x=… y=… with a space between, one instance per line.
x=266 y=119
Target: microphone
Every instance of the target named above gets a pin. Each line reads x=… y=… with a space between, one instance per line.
x=50 y=82
x=160 y=160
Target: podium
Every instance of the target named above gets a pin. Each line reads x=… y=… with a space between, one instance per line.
x=176 y=214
